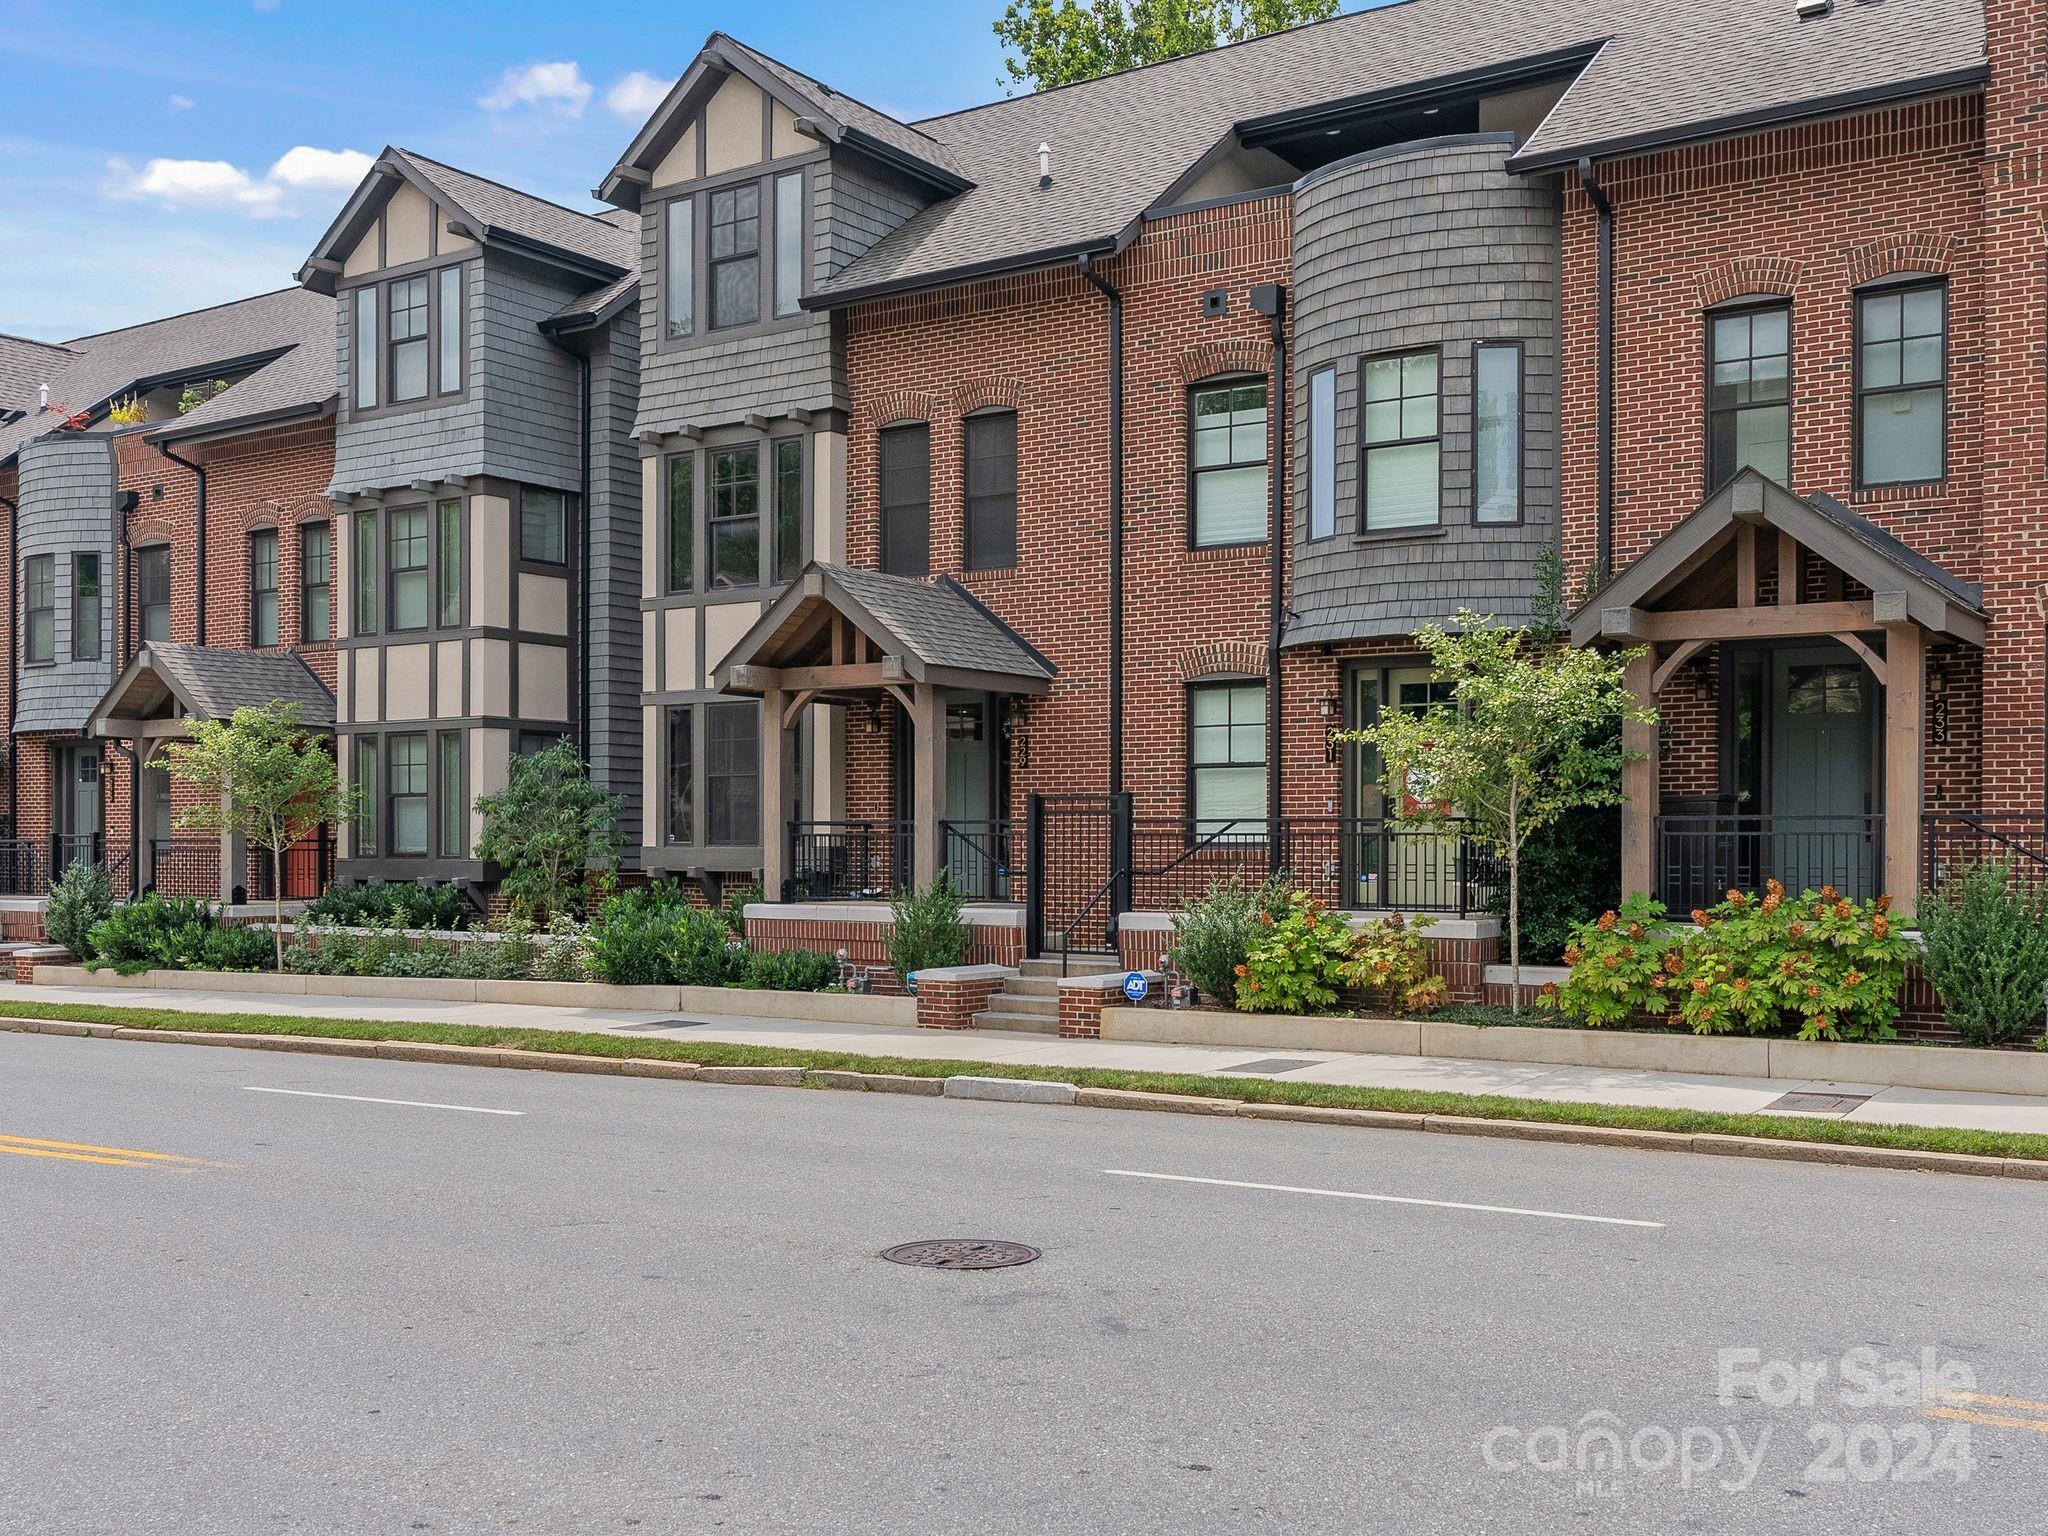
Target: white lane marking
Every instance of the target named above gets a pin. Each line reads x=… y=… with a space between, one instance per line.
x=357 y=1098
x=1352 y=1194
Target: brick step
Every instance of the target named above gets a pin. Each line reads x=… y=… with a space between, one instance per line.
x=1019 y=1023
x=1046 y=1004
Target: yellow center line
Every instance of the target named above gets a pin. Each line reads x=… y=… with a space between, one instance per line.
x=10 y=1143
x=1997 y=1420
x=75 y=1157
x=1988 y=1400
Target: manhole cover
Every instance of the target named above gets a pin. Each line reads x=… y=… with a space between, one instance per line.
x=1819 y=1103
x=960 y=1253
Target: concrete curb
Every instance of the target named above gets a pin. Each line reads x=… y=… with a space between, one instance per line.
x=1027 y=1090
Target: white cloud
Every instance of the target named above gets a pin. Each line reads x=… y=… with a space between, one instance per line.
x=559 y=87
x=636 y=95
x=218 y=184
x=307 y=169
x=181 y=103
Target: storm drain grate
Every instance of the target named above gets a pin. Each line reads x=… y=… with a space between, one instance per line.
x=665 y=1024
x=1270 y=1066
x=960 y=1253
x=1819 y=1103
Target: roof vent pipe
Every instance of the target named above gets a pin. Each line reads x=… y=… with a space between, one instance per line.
x=42 y=397
x=1045 y=165
x=1811 y=10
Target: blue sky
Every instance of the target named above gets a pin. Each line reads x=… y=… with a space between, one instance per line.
x=156 y=158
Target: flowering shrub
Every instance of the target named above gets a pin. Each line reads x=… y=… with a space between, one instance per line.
x=1213 y=935
x=1622 y=964
x=1832 y=966
x=1297 y=961
x=1389 y=962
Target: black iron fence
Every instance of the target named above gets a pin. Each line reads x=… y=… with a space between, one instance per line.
x=1702 y=857
x=982 y=859
x=24 y=866
x=846 y=860
x=308 y=866
x=1951 y=841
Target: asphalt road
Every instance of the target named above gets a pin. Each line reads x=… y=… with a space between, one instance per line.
x=633 y=1305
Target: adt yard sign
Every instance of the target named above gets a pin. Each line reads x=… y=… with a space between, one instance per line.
x=1135 y=986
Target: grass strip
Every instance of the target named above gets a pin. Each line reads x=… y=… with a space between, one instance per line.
x=1258 y=1090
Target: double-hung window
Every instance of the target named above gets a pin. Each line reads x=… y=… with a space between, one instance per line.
x=992 y=491
x=544 y=526
x=907 y=499
x=682 y=522
x=1322 y=453
x=153 y=590
x=732 y=774
x=1902 y=384
x=407 y=775
x=39 y=605
x=406 y=534
x=680 y=802
x=1226 y=755
x=1400 y=437
x=263 y=588
x=407 y=328
x=679 y=268
x=448 y=588
x=1228 y=463
x=789 y=242
x=789 y=506
x=316 y=580
x=86 y=605
x=736 y=255
x=734 y=524
x=1497 y=433
x=364 y=559
x=1749 y=394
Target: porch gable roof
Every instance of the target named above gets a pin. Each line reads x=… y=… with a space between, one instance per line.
x=1904 y=580
x=208 y=682
x=924 y=631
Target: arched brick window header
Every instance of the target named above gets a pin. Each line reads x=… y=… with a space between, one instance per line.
x=1938 y=254
x=985 y=394
x=1221 y=357
x=900 y=405
x=1740 y=279
x=1220 y=658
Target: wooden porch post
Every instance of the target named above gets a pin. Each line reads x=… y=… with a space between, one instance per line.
x=234 y=854
x=774 y=810
x=1905 y=761
x=928 y=776
x=1639 y=784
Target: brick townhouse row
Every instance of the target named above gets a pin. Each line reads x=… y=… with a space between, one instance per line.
x=1030 y=493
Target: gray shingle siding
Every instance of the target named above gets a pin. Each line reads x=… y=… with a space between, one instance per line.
x=613 y=633
x=67 y=506
x=1431 y=245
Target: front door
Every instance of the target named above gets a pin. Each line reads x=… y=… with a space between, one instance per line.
x=1824 y=707
x=1394 y=864
x=79 y=813
x=973 y=852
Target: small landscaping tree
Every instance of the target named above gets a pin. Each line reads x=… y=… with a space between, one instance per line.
x=553 y=833
x=263 y=774
x=1528 y=734
x=1985 y=934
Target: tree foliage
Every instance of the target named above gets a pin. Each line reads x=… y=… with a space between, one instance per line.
x=1528 y=734
x=1058 y=42
x=552 y=832
x=264 y=775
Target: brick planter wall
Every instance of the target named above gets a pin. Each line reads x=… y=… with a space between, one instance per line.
x=949 y=999
x=1462 y=962
x=866 y=943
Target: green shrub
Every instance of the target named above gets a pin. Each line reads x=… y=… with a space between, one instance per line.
x=733 y=910
x=428 y=960
x=79 y=898
x=1571 y=873
x=633 y=945
x=153 y=934
x=705 y=954
x=1622 y=963
x=1985 y=937
x=792 y=970
x=1213 y=936
x=1296 y=964
x=558 y=955
x=229 y=948
x=1389 y=962
x=505 y=956
x=928 y=931
x=397 y=905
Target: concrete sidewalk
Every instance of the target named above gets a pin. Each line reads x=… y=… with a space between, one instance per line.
x=1585 y=1085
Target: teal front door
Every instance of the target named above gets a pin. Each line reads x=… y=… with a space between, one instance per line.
x=1822 y=792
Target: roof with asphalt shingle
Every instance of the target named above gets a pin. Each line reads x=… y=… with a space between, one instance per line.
x=1661 y=71
x=24 y=366
x=496 y=207
x=939 y=623
x=213 y=681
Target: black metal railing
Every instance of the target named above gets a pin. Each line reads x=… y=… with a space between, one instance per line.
x=24 y=866
x=185 y=866
x=1951 y=841
x=69 y=848
x=981 y=859
x=846 y=860
x=308 y=867
x=1702 y=857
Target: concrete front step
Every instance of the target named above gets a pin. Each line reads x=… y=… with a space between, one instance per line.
x=1032 y=986
x=1046 y=1003
x=1019 y=1023
x=1079 y=963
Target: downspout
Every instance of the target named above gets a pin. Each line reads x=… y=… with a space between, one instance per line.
x=1120 y=859
x=583 y=562
x=13 y=660
x=1603 y=206
x=1270 y=300
x=199 y=522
